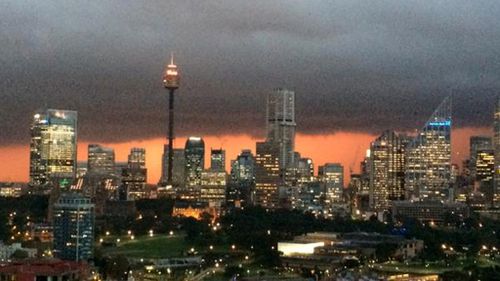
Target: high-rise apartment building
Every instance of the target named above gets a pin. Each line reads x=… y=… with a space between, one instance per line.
x=428 y=158
x=73 y=221
x=267 y=174
x=281 y=125
x=218 y=160
x=100 y=160
x=387 y=170
x=194 y=153
x=53 y=147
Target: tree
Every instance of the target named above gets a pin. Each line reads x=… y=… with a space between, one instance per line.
x=232 y=271
x=116 y=267
x=19 y=255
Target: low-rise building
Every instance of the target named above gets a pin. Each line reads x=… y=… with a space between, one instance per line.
x=43 y=233
x=8 y=189
x=193 y=209
x=6 y=251
x=325 y=250
x=44 y=269
x=428 y=211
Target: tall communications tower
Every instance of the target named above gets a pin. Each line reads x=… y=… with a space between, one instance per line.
x=171 y=83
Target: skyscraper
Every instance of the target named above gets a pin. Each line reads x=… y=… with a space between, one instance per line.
x=134 y=176
x=331 y=175
x=53 y=146
x=100 y=160
x=267 y=175
x=281 y=125
x=428 y=157
x=73 y=221
x=178 y=169
x=476 y=144
x=194 y=153
x=243 y=168
x=218 y=160
x=496 y=143
x=242 y=181
x=387 y=170
x=485 y=171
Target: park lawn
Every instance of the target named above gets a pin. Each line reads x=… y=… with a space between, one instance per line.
x=159 y=246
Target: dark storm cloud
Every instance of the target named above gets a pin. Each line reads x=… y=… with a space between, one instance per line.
x=355 y=65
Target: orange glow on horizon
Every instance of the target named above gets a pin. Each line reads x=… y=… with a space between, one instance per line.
x=347 y=148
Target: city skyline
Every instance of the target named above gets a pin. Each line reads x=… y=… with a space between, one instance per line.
x=311 y=140
x=347 y=148
x=356 y=70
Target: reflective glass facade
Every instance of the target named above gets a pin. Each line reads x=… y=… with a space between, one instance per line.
x=73 y=220
x=53 y=146
x=194 y=153
x=428 y=158
x=100 y=160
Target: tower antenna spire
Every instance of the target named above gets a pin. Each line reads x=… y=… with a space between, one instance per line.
x=171 y=83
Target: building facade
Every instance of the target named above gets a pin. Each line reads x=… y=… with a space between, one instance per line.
x=242 y=179
x=428 y=158
x=178 y=171
x=281 y=125
x=53 y=146
x=331 y=176
x=45 y=269
x=477 y=143
x=218 y=160
x=496 y=143
x=100 y=160
x=73 y=221
x=194 y=153
x=134 y=176
x=484 y=170
x=305 y=171
x=267 y=175
x=387 y=170
x=213 y=188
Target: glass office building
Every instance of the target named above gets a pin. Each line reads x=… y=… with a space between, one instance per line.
x=428 y=158
x=53 y=146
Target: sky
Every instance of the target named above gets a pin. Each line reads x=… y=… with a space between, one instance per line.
x=357 y=67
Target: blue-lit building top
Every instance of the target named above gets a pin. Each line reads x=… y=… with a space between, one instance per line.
x=428 y=158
